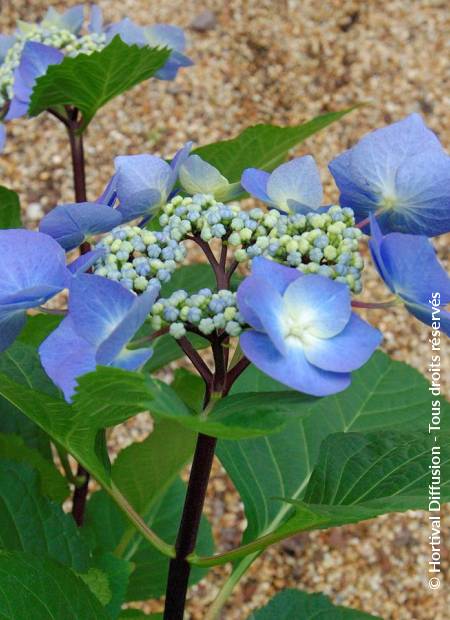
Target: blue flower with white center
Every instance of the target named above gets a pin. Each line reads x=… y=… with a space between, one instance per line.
x=293 y=187
x=103 y=317
x=144 y=182
x=32 y=270
x=304 y=333
x=34 y=62
x=199 y=177
x=410 y=269
x=402 y=173
x=71 y=224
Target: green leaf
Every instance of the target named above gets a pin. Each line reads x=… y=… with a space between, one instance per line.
x=118 y=572
x=21 y=364
x=38 y=327
x=52 y=483
x=32 y=523
x=262 y=146
x=137 y=614
x=384 y=395
x=98 y=584
x=293 y=604
x=45 y=589
x=9 y=209
x=191 y=278
x=232 y=417
x=190 y=388
x=88 y=82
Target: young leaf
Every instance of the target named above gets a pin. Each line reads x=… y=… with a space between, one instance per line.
x=45 y=589
x=290 y=604
x=9 y=209
x=88 y=82
x=262 y=146
x=33 y=524
x=51 y=482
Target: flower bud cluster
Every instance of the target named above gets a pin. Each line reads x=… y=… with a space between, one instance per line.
x=324 y=243
x=205 y=311
x=138 y=258
x=53 y=36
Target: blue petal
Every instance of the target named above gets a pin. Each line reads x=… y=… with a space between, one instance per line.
x=262 y=307
x=2 y=137
x=292 y=370
x=70 y=224
x=424 y=312
x=28 y=297
x=199 y=177
x=180 y=157
x=279 y=277
x=97 y=306
x=143 y=183
x=321 y=305
x=34 y=62
x=165 y=35
x=109 y=195
x=124 y=331
x=413 y=268
x=85 y=261
x=296 y=185
x=132 y=360
x=175 y=62
x=31 y=270
x=96 y=19
x=11 y=324
x=254 y=182
x=129 y=32
x=346 y=351
x=71 y=20
x=375 y=249
x=65 y=356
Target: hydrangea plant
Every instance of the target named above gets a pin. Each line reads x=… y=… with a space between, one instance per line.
x=281 y=377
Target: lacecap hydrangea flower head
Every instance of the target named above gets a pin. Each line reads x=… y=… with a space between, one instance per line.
x=32 y=48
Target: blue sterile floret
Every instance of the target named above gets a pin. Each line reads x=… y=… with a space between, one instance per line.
x=205 y=311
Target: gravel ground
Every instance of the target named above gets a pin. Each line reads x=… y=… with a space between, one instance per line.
x=280 y=61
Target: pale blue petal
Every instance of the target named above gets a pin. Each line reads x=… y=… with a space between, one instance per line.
x=31 y=270
x=199 y=177
x=70 y=224
x=375 y=242
x=97 y=306
x=124 y=330
x=292 y=370
x=296 y=185
x=321 y=305
x=257 y=297
x=413 y=268
x=180 y=157
x=96 y=19
x=346 y=351
x=129 y=32
x=254 y=182
x=65 y=356
x=85 y=261
x=164 y=35
x=143 y=183
x=71 y=20
x=6 y=41
x=175 y=62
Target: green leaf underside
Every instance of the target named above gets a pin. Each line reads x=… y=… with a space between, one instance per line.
x=384 y=395
x=262 y=146
x=32 y=523
x=9 y=209
x=44 y=588
x=293 y=604
x=52 y=483
x=118 y=572
x=88 y=82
